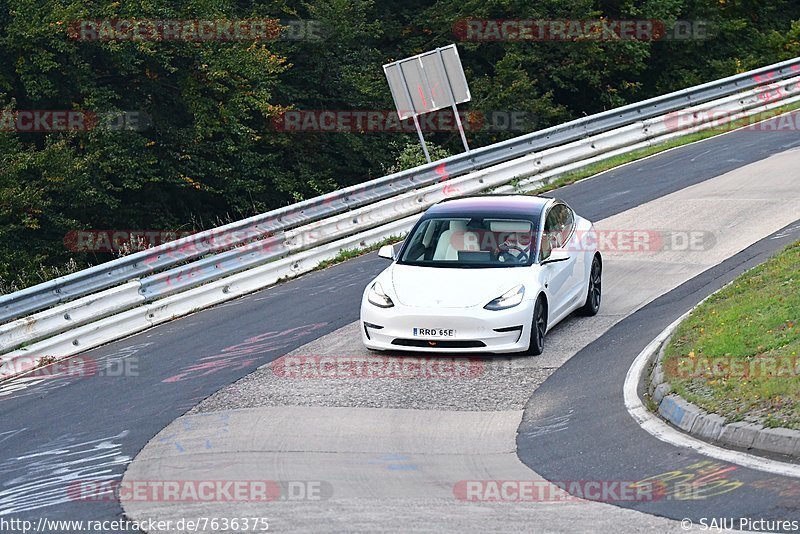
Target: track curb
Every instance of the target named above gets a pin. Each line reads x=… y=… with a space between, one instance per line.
x=709 y=426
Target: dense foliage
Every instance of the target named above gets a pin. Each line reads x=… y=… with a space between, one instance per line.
x=211 y=152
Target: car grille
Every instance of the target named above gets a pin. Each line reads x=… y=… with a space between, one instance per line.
x=438 y=344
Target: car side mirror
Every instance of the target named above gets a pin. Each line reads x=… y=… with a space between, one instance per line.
x=558 y=254
x=386 y=251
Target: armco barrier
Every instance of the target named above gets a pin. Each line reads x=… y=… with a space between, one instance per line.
x=90 y=321
x=402 y=205
x=67 y=316
x=94 y=279
x=662 y=129
x=143 y=317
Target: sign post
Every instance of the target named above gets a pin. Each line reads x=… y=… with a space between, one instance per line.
x=416 y=123
x=453 y=99
x=428 y=82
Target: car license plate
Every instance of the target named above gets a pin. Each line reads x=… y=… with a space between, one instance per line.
x=434 y=332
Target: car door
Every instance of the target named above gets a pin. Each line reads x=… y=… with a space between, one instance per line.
x=560 y=277
x=573 y=243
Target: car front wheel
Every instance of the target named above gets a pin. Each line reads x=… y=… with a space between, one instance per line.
x=538 y=328
x=595 y=291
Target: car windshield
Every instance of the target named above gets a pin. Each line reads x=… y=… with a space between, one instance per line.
x=470 y=242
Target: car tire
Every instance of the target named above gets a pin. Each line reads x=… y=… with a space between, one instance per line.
x=538 y=328
x=595 y=292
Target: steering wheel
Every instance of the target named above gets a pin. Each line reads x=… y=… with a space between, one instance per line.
x=504 y=251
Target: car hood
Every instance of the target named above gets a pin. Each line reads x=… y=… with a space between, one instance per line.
x=452 y=288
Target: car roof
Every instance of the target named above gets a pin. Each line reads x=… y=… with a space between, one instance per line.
x=495 y=205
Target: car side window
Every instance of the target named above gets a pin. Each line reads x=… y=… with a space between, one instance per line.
x=558 y=225
x=568 y=221
x=547 y=234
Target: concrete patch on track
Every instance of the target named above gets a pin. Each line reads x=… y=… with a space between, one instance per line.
x=387 y=470
x=391 y=450
x=489 y=384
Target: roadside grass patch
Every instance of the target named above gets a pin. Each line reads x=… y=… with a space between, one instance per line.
x=350 y=253
x=736 y=354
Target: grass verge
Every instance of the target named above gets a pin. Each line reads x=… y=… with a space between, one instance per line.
x=736 y=354
x=350 y=253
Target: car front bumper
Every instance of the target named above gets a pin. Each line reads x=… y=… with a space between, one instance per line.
x=476 y=329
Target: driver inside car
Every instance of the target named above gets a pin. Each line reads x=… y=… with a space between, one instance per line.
x=515 y=247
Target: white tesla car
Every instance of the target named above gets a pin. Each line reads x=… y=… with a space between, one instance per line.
x=484 y=274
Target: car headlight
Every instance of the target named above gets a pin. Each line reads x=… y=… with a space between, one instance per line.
x=377 y=297
x=509 y=299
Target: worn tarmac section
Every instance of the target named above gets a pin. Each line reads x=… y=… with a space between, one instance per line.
x=392 y=453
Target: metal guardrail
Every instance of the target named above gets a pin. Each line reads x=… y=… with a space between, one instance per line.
x=141 y=303
x=130 y=321
x=272 y=226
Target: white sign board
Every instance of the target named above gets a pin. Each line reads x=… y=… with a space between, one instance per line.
x=427 y=82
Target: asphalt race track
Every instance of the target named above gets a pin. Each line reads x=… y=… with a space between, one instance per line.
x=61 y=430
x=574 y=432
x=383 y=444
